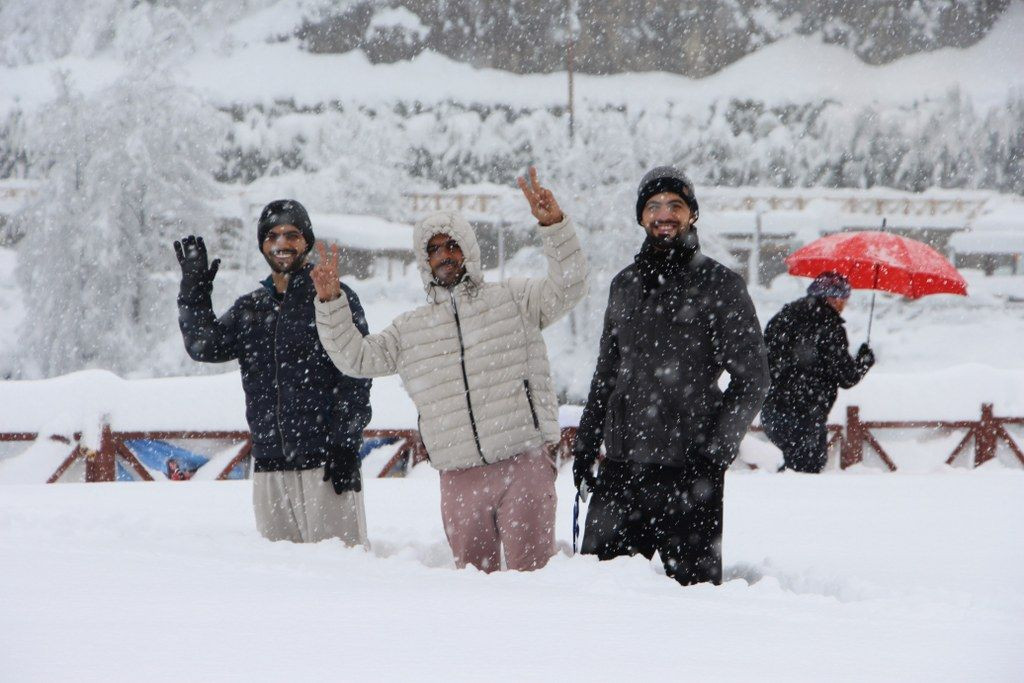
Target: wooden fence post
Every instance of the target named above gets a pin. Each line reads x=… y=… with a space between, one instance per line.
x=563 y=451
x=101 y=465
x=985 y=437
x=852 y=451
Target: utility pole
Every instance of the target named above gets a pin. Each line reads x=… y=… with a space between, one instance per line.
x=502 y=227
x=570 y=58
x=754 y=261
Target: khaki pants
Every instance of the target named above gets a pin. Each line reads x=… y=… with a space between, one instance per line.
x=508 y=504
x=301 y=507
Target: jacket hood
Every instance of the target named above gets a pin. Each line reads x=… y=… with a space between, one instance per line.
x=451 y=223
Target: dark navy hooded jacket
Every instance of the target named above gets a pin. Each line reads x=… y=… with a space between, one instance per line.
x=301 y=409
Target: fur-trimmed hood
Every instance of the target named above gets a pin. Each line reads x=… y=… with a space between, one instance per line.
x=451 y=223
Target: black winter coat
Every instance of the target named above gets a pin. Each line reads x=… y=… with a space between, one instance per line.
x=654 y=397
x=809 y=358
x=301 y=409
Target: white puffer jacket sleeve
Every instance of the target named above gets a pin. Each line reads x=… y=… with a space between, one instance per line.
x=374 y=355
x=546 y=299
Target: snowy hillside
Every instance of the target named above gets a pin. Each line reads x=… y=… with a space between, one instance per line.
x=237 y=66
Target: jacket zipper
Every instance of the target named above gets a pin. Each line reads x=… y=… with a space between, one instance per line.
x=465 y=378
x=277 y=382
x=419 y=430
x=529 y=399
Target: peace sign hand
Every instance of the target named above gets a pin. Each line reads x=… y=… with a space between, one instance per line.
x=325 y=273
x=542 y=203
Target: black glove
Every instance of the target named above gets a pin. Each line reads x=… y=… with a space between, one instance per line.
x=720 y=458
x=865 y=356
x=583 y=470
x=196 y=275
x=343 y=471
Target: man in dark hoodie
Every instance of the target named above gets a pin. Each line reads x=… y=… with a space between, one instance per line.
x=305 y=416
x=675 y=321
x=809 y=357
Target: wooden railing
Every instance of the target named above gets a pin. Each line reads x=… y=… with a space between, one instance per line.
x=853 y=439
x=986 y=432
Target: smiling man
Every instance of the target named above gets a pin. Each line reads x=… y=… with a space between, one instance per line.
x=676 y=320
x=474 y=362
x=306 y=418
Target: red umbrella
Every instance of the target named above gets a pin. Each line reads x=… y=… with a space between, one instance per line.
x=879 y=261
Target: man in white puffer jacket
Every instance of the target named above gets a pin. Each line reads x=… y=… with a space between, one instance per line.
x=475 y=364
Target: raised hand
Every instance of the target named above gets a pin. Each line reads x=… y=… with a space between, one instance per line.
x=196 y=271
x=542 y=203
x=325 y=273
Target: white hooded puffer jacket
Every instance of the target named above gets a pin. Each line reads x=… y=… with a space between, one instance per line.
x=473 y=359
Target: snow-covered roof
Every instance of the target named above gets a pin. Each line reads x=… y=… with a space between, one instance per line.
x=1002 y=215
x=362 y=232
x=797 y=224
x=988 y=242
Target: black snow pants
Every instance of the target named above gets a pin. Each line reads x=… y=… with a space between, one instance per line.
x=672 y=510
x=802 y=437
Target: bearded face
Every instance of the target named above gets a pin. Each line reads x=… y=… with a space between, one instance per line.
x=666 y=216
x=285 y=249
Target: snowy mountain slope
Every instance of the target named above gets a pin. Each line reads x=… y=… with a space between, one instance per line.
x=239 y=68
x=523 y=36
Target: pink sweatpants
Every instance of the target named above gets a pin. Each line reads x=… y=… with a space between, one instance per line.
x=510 y=503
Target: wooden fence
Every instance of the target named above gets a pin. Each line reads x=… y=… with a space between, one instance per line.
x=987 y=432
x=853 y=439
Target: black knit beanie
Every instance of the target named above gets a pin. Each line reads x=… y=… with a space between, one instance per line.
x=285 y=212
x=830 y=285
x=665 y=179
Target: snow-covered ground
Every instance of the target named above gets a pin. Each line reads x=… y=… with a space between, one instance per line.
x=856 y=575
x=837 y=577
x=859 y=575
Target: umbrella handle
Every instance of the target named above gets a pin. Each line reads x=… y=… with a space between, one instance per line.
x=871 y=316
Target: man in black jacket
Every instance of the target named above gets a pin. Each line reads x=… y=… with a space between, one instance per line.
x=809 y=358
x=306 y=418
x=675 y=321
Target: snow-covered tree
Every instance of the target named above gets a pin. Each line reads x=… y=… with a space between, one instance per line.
x=130 y=169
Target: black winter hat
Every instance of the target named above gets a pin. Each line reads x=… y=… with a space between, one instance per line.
x=830 y=285
x=665 y=179
x=285 y=212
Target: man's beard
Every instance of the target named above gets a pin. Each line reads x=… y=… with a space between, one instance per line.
x=456 y=278
x=667 y=241
x=295 y=265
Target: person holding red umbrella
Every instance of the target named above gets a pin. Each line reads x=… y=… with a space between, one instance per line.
x=809 y=359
